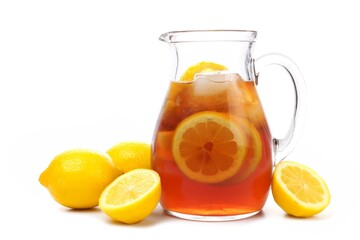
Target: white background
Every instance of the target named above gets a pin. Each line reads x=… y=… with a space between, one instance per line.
x=93 y=73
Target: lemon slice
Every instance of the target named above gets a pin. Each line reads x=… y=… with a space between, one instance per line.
x=299 y=190
x=254 y=149
x=131 y=197
x=208 y=147
x=201 y=67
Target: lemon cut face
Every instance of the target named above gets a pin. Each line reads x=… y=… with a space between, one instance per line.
x=299 y=190
x=132 y=196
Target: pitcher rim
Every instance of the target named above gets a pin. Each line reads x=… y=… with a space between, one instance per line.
x=216 y=35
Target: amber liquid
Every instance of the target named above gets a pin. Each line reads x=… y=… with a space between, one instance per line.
x=244 y=192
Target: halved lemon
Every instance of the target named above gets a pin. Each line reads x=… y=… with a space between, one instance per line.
x=208 y=147
x=200 y=67
x=299 y=190
x=131 y=197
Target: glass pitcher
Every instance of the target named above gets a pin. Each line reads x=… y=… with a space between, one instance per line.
x=212 y=146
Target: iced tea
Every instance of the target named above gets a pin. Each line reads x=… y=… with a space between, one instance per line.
x=213 y=177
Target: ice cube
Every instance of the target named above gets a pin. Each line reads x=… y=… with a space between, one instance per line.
x=218 y=76
x=213 y=83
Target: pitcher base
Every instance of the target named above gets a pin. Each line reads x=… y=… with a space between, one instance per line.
x=210 y=218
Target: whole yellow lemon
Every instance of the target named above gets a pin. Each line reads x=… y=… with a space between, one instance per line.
x=128 y=156
x=76 y=178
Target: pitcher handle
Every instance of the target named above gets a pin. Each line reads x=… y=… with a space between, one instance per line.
x=282 y=147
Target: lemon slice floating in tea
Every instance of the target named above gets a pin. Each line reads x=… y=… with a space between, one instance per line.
x=201 y=67
x=208 y=147
x=254 y=150
x=299 y=190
